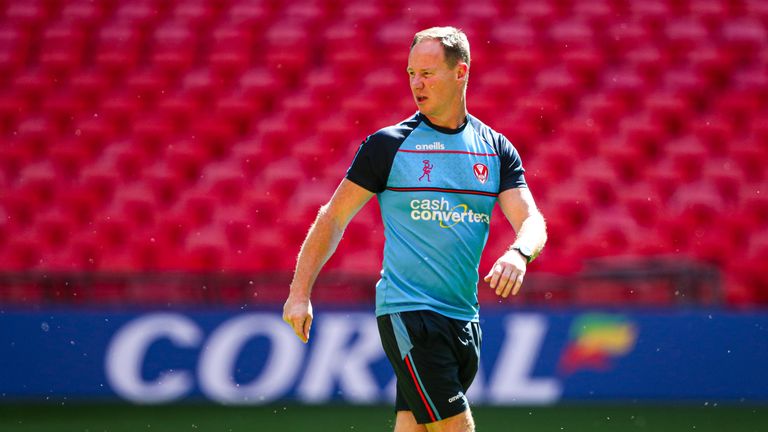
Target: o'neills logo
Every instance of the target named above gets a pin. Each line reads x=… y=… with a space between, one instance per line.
x=445 y=213
x=437 y=145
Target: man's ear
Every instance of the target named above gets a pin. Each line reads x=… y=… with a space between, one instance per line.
x=462 y=70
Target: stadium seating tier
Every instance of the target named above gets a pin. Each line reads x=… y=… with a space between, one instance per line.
x=201 y=135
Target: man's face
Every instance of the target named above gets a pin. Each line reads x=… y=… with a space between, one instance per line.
x=437 y=88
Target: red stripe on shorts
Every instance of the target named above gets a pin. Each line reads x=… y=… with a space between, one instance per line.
x=418 y=387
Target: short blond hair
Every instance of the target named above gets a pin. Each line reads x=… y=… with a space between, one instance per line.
x=454 y=41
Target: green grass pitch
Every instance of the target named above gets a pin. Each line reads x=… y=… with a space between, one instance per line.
x=331 y=418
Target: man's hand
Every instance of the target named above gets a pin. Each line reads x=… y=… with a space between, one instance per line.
x=298 y=314
x=506 y=275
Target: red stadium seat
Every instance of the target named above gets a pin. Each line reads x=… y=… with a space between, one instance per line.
x=601 y=182
x=585 y=64
x=22 y=252
x=365 y=13
x=118 y=48
x=262 y=85
x=148 y=84
x=249 y=13
x=754 y=211
x=33 y=84
x=670 y=110
x=288 y=49
x=623 y=37
x=625 y=84
x=202 y=84
x=63 y=48
x=737 y=106
x=174 y=47
x=54 y=228
x=206 y=249
x=649 y=61
x=30 y=14
x=744 y=38
x=215 y=134
x=79 y=203
x=83 y=13
x=64 y=106
x=697 y=205
x=280 y=179
x=113 y=230
x=562 y=87
x=473 y=18
x=136 y=203
x=755 y=81
x=565 y=35
x=598 y=13
x=714 y=132
x=684 y=35
x=13 y=107
x=231 y=51
x=713 y=62
x=89 y=84
x=140 y=13
x=540 y=13
x=426 y=14
x=344 y=51
x=652 y=13
x=197 y=208
x=393 y=38
x=197 y=13
x=225 y=181
x=688 y=156
x=750 y=159
x=609 y=233
x=725 y=177
x=98 y=183
x=152 y=131
x=304 y=109
x=68 y=158
x=604 y=110
x=180 y=107
x=39 y=182
x=309 y=11
x=14 y=48
x=239 y=109
x=644 y=134
x=185 y=159
x=121 y=109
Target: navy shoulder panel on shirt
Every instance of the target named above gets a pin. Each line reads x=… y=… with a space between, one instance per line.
x=373 y=161
x=512 y=171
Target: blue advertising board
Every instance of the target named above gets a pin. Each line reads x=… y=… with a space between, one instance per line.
x=252 y=357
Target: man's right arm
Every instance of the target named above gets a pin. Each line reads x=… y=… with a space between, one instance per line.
x=318 y=247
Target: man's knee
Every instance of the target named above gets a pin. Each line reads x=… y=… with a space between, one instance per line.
x=462 y=422
x=406 y=422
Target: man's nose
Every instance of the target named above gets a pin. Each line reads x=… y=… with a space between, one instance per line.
x=416 y=82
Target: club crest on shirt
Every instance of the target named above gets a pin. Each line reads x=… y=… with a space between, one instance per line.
x=481 y=172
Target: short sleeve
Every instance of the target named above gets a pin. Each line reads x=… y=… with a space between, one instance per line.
x=512 y=171
x=371 y=165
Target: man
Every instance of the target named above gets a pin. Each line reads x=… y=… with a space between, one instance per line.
x=437 y=176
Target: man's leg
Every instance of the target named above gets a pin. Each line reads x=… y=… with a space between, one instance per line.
x=462 y=422
x=406 y=422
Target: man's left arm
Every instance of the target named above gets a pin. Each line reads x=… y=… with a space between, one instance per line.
x=507 y=273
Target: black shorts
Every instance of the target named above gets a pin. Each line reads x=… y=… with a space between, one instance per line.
x=435 y=359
